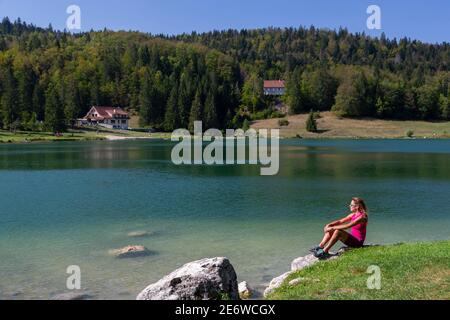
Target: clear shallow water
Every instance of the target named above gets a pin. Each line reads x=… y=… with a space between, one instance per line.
x=69 y=203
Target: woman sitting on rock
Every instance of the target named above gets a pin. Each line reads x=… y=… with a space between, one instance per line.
x=334 y=231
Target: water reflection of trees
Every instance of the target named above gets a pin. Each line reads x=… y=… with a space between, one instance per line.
x=314 y=162
x=304 y=162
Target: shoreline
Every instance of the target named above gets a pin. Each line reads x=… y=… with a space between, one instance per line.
x=122 y=138
x=293 y=132
x=112 y=138
x=23 y=137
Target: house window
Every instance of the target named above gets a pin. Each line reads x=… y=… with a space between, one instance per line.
x=124 y=121
x=113 y=121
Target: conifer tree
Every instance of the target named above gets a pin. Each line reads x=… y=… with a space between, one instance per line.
x=210 y=113
x=294 y=95
x=145 y=101
x=311 y=123
x=9 y=106
x=196 y=111
x=54 y=115
x=171 y=116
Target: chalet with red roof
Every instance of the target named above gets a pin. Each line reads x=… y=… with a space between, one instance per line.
x=274 y=87
x=108 y=117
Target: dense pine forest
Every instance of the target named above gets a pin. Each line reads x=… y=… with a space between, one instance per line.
x=50 y=78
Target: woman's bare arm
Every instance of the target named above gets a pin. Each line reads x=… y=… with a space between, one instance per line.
x=341 y=221
x=345 y=226
x=338 y=222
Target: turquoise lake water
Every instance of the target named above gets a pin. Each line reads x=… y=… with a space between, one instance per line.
x=69 y=203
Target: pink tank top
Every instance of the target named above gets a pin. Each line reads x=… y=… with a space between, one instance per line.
x=359 y=231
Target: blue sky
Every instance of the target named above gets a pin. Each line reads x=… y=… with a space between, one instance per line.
x=428 y=21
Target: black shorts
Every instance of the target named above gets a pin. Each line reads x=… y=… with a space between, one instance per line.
x=353 y=242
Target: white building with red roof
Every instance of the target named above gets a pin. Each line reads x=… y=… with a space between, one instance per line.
x=274 y=87
x=108 y=117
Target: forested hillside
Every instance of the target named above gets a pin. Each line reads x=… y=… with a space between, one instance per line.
x=50 y=78
x=352 y=74
x=56 y=77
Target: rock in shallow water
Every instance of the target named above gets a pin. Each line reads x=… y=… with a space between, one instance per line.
x=72 y=296
x=139 y=234
x=130 y=252
x=207 y=279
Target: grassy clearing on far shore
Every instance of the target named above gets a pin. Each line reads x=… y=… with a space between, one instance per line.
x=332 y=126
x=75 y=135
x=329 y=125
x=24 y=137
x=408 y=271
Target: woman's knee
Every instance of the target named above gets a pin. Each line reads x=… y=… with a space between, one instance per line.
x=338 y=233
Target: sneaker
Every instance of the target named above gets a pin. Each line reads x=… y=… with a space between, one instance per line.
x=315 y=249
x=322 y=255
x=318 y=252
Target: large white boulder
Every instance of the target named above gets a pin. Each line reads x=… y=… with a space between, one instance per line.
x=207 y=279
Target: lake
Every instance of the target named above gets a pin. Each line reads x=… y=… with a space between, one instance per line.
x=69 y=203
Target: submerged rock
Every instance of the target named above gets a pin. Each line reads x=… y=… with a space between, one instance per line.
x=72 y=296
x=207 y=279
x=139 y=234
x=130 y=252
x=16 y=294
x=245 y=292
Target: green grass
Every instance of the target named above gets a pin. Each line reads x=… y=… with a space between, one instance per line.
x=331 y=126
x=24 y=137
x=74 y=135
x=408 y=271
